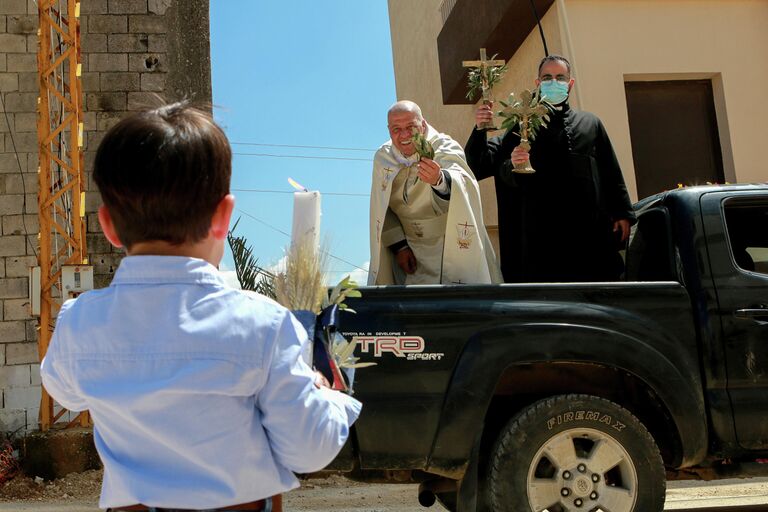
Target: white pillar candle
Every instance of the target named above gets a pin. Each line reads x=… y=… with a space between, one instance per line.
x=306 y=219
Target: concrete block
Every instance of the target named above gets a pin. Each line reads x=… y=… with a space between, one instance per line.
x=3 y=66
x=15 y=185
x=94 y=43
x=147 y=24
x=32 y=159
x=93 y=139
x=16 y=309
x=13 y=43
x=13 y=7
x=12 y=245
x=12 y=420
x=30 y=203
x=108 y=62
x=90 y=82
x=158 y=43
x=21 y=101
x=153 y=82
x=13 y=288
x=9 y=82
x=92 y=201
x=141 y=100
x=89 y=120
x=21 y=62
x=34 y=371
x=28 y=82
x=22 y=398
x=58 y=452
x=127 y=6
x=22 y=24
x=128 y=43
x=94 y=7
x=108 y=24
x=21 y=353
x=107 y=101
x=147 y=62
x=24 y=142
x=101 y=281
x=158 y=6
x=11 y=205
x=20 y=225
x=120 y=82
x=8 y=164
x=2 y=276
x=33 y=329
x=18 y=376
x=25 y=122
x=106 y=120
x=2 y=355
x=12 y=331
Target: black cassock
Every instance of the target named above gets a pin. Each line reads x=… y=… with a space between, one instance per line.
x=557 y=225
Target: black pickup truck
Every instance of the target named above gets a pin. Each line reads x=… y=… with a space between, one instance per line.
x=577 y=396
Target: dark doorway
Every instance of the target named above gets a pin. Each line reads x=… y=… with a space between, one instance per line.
x=674 y=134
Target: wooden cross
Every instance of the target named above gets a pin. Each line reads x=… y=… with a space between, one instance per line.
x=483 y=64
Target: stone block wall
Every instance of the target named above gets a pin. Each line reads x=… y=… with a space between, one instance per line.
x=132 y=52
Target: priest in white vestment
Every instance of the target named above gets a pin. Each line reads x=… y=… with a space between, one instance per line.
x=426 y=217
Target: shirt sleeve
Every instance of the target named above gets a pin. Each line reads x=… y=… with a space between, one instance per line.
x=306 y=426
x=485 y=155
x=55 y=372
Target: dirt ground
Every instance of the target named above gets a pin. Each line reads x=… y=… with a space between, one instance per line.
x=80 y=493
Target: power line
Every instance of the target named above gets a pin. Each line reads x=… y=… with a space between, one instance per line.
x=264 y=191
x=21 y=175
x=304 y=157
x=299 y=146
x=289 y=236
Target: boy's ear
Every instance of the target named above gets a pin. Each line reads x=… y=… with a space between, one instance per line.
x=221 y=217
x=105 y=219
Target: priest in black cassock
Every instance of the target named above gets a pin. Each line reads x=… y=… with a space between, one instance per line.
x=568 y=221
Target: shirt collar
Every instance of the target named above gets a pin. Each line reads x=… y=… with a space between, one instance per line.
x=166 y=269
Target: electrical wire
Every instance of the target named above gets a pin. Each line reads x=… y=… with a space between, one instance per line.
x=21 y=175
x=265 y=191
x=289 y=236
x=541 y=30
x=299 y=146
x=308 y=157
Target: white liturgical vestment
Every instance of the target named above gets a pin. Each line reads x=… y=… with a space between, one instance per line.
x=447 y=236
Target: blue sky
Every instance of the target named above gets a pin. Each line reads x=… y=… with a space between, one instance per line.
x=302 y=73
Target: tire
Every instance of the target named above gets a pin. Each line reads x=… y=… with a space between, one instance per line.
x=576 y=453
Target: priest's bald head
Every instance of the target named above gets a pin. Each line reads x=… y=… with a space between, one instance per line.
x=402 y=119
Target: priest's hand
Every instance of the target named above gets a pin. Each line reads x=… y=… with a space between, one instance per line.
x=429 y=171
x=407 y=260
x=483 y=114
x=622 y=226
x=520 y=156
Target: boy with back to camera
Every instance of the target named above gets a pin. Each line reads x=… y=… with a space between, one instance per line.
x=199 y=397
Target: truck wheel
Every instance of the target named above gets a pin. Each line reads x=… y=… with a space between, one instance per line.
x=576 y=453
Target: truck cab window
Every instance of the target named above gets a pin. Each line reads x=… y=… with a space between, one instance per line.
x=747 y=226
x=650 y=256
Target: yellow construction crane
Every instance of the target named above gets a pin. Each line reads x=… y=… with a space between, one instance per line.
x=62 y=257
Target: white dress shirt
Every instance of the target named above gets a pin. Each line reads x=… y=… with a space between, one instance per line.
x=198 y=393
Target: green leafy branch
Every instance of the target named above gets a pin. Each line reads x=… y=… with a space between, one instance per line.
x=533 y=105
x=492 y=74
x=249 y=273
x=422 y=145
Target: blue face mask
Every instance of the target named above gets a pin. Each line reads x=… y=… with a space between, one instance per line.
x=554 y=92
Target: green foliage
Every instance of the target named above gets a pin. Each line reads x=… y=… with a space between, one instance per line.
x=249 y=273
x=346 y=288
x=530 y=104
x=422 y=145
x=493 y=76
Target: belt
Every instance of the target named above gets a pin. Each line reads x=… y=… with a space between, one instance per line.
x=253 y=505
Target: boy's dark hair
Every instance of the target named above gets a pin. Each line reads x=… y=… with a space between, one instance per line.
x=554 y=58
x=161 y=174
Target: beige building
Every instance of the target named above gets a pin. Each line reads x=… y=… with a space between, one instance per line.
x=679 y=84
